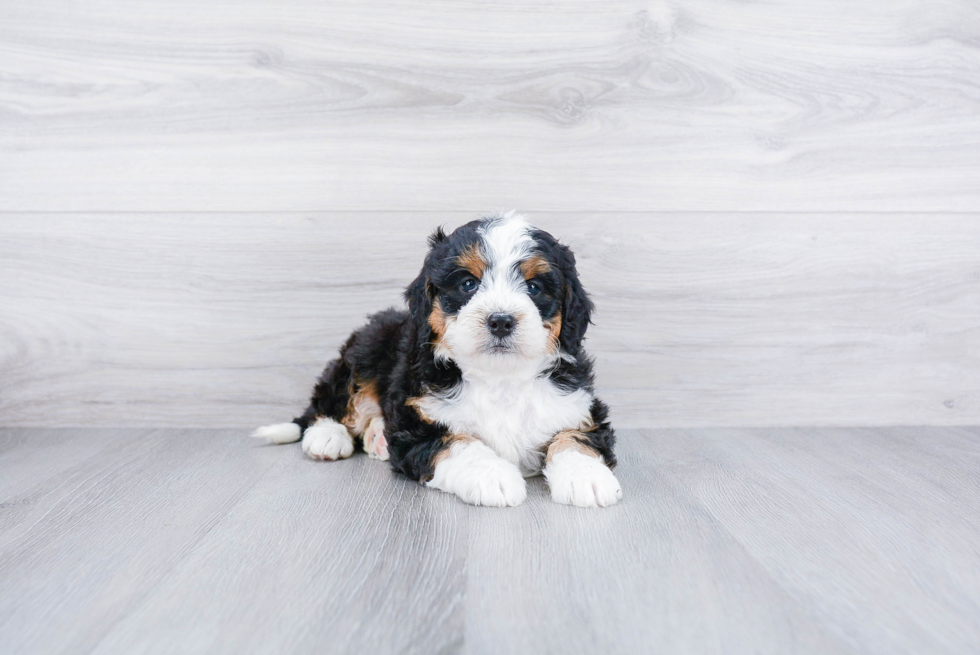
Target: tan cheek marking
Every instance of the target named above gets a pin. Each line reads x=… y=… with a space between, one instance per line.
x=569 y=440
x=364 y=405
x=554 y=330
x=448 y=442
x=472 y=261
x=534 y=265
x=437 y=319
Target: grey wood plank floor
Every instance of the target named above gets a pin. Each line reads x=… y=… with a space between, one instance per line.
x=776 y=540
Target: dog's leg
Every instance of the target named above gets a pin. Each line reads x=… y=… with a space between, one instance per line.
x=321 y=428
x=324 y=434
x=472 y=471
x=364 y=419
x=577 y=474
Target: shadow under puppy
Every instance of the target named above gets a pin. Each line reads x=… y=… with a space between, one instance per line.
x=484 y=380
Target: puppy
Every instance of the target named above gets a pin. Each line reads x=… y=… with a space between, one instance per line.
x=481 y=383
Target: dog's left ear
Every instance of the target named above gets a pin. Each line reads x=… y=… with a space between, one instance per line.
x=576 y=308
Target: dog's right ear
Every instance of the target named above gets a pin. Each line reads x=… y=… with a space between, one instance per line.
x=420 y=294
x=419 y=297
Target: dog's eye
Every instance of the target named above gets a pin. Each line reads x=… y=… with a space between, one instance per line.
x=533 y=288
x=469 y=285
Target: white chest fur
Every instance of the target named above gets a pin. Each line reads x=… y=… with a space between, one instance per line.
x=514 y=417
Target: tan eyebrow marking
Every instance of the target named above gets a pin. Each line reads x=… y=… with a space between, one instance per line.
x=534 y=265
x=472 y=260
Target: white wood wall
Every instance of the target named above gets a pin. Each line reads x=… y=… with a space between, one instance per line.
x=775 y=205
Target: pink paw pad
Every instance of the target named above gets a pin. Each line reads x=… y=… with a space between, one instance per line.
x=375 y=444
x=380 y=446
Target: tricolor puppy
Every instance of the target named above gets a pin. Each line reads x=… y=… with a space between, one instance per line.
x=481 y=383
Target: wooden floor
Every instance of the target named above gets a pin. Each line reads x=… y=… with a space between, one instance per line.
x=727 y=540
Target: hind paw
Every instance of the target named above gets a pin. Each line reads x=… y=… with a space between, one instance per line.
x=327 y=439
x=375 y=444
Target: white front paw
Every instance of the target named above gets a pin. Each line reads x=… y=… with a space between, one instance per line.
x=327 y=439
x=477 y=475
x=494 y=484
x=581 y=480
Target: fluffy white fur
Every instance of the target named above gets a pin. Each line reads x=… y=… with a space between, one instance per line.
x=278 y=433
x=581 y=480
x=477 y=475
x=327 y=439
x=513 y=416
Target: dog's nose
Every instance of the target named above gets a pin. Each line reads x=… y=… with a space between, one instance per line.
x=501 y=325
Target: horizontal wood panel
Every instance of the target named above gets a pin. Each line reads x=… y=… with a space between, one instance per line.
x=703 y=319
x=561 y=106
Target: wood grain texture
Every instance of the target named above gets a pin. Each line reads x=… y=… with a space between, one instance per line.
x=703 y=319
x=648 y=105
x=346 y=559
x=774 y=540
x=846 y=498
x=84 y=544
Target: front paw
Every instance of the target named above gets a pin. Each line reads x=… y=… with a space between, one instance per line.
x=581 y=480
x=478 y=476
x=496 y=483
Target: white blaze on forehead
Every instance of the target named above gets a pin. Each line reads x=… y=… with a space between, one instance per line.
x=506 y=241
